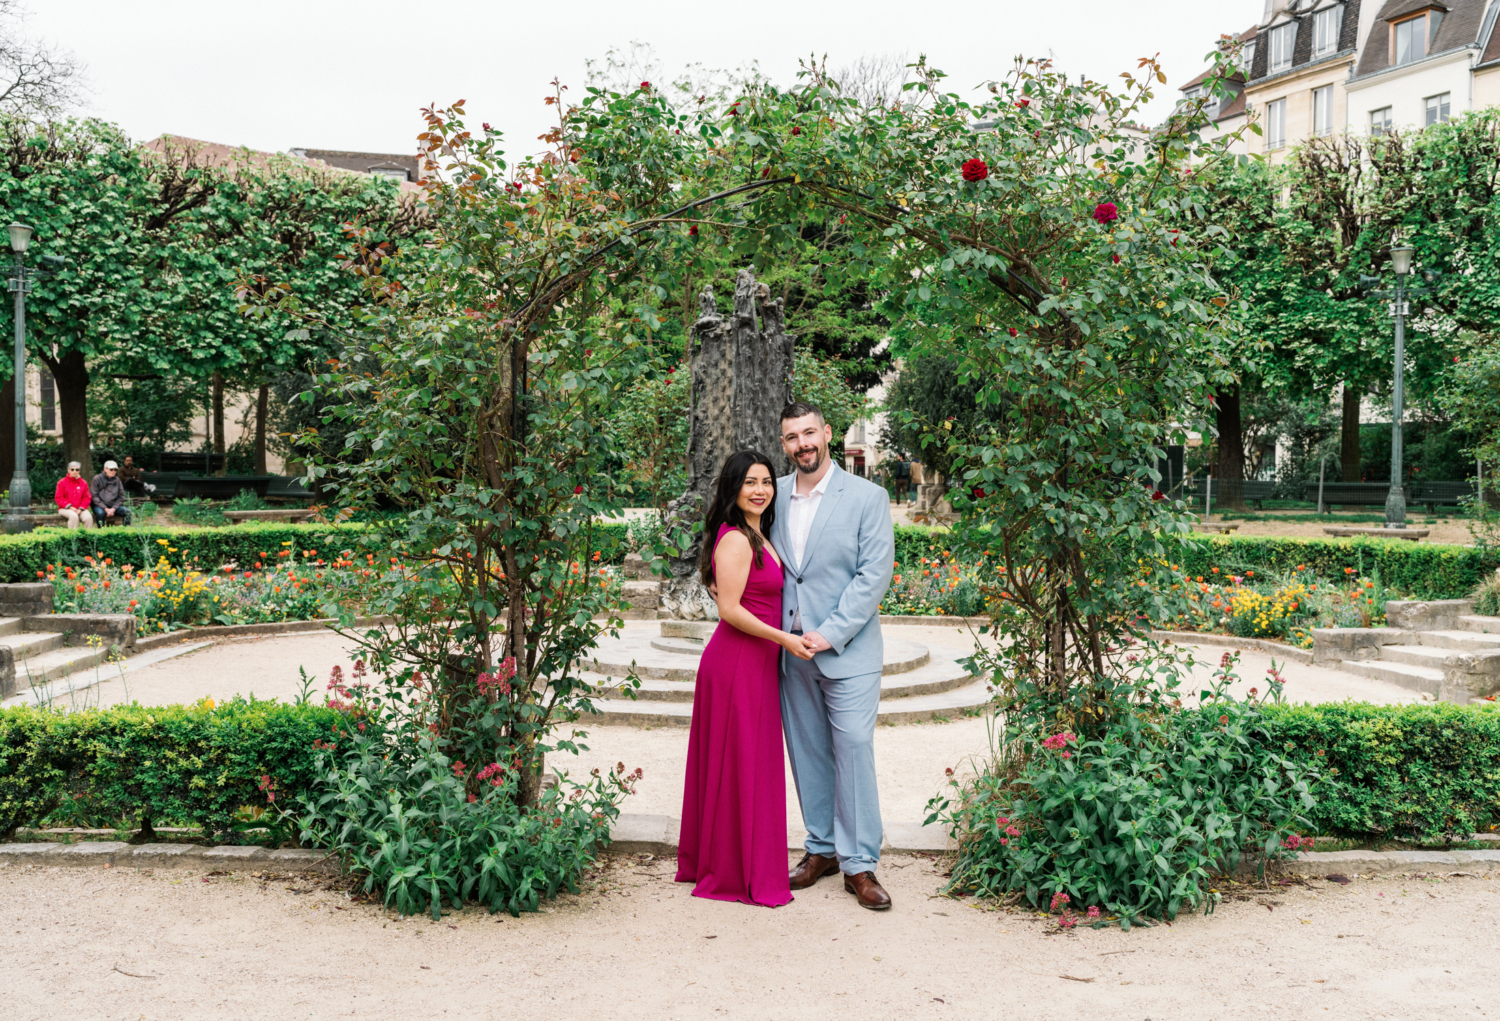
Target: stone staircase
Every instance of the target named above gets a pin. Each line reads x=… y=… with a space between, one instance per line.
x=1438 y=648
x=39 y=648
x=642 y=588
x=918 y=683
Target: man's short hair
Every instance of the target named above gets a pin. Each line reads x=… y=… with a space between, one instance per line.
x=800 y=409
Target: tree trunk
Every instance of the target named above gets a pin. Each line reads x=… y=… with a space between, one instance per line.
x=219 y=448
x=1349 y=435
x=71 y=374
x=1229 y=473
x=262 y=403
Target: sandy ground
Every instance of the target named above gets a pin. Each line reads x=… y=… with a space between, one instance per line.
x=1441 y=531
x=116 y=943
x=910 y=758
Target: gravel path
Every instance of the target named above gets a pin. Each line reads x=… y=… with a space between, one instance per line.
x=116 y=943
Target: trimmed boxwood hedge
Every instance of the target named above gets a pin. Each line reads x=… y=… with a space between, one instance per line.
x=1427 y=571
x=22 y=556
x=1397 y=771
x=157 y=762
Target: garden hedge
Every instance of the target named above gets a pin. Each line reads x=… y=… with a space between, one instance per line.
x=1426 y=571
x=169 y=764
x=1397 y=771
x=22 y=556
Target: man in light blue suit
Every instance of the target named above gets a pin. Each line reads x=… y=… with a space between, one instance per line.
x=834 y=532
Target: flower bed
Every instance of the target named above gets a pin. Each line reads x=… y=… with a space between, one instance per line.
x=934 y=585
x=1282 y=606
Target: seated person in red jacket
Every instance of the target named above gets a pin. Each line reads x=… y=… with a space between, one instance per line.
x=73 y=496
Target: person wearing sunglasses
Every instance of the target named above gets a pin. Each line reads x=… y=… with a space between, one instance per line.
x=73 y=497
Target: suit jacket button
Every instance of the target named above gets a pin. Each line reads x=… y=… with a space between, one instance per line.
x=799 y=581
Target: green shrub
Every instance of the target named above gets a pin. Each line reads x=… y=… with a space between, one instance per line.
x=1487 y=597
x=423 y=838
x=1427 y=571
x=1119 y=804
x=1424 y=772
x=197 y=510
x=22 y=556
x=155 y=763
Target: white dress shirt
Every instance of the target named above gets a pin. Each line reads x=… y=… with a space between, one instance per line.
x=800 y=514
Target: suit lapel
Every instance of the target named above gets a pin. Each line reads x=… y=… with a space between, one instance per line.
x=781 y=534
x=825 y=511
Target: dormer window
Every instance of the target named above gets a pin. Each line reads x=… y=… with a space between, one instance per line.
x=1412 y=39
x=1326 y=25
x=1247 y=57
x=1205 y=93
x=1283 y=39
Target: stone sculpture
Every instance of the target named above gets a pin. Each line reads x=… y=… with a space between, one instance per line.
x=742 y=378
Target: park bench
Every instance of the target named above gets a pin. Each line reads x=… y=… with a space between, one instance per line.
x=1435 y=492
x=1352 y=494
x=287 y=487
x=220 y=487
x=183 y=463
x=293 y=514
x=165 y=483
x=1250 y=490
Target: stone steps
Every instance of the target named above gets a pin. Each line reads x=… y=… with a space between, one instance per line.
x=670 y=658
x=1425 y=680
x=1435 y=647
x=910 y=709
x=1461 y=641
x=1484 y=625
x=932 y=678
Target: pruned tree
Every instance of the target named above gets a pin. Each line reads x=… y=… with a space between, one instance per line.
x=37 y=78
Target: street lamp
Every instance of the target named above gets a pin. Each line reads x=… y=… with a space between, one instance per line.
x=1395 y=501
x=18 y=517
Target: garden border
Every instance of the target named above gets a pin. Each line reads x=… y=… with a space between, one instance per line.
x=279 y=627
x=1234 y=642
x=656 y=834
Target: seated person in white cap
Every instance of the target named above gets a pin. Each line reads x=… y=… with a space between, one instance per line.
x=109 y=496
x=73 y=497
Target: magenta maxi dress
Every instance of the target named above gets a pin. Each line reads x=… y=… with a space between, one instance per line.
x=733 y=841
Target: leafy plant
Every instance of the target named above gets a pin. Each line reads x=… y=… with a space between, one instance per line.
x=1128 y=804
x=1487 y=597
x=198 y=510
x=426 y=831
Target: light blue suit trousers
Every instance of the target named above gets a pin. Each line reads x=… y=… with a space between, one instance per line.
x=829 y=705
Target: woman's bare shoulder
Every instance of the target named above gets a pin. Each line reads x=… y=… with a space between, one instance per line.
x=734 y=542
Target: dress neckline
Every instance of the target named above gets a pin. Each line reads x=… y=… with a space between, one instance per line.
x=774 y=555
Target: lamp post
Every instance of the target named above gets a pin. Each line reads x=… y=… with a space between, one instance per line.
x=1395 y=501
x=18 y=517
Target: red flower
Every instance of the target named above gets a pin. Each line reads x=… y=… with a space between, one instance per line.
x=1105 y=212
x=487 y=125
x=1116 y=258
x=577 y=490
x=692 y=233
x=796 y=130
x=975 y=170
x=1157 y=495
x=1023 y=103
x=765 y=173
x=979 y=494
x=1013 y=331
x=645 y=86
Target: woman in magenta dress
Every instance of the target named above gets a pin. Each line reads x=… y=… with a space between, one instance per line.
x=733 y=842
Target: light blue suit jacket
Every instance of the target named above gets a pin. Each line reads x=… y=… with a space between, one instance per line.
x=844 y=573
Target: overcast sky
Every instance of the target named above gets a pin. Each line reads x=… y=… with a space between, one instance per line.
x=341 y=74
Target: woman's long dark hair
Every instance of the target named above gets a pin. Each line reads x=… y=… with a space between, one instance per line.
x=725 y=509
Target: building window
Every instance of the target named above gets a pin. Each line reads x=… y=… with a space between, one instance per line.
x=49 y=402
x=1323 y=111
x=1380 y=121
x=1282 y=40
x=1247 y=57
x=1275 y=124
x=1437 y=109
x=1326 y=26
x=1412 y=39
x=1205 y=93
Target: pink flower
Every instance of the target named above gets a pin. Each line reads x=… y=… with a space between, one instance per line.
x=1067 y=755
x=1094 y=911
x=1060 y=899
x=1104 y=212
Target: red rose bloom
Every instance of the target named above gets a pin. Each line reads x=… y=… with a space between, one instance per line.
x=486 y=125
x=1157 y=496
x=976 y=170
x=796 y=130
x=1012 y=331
x=577 y=490
x=692 y=233
x=645 y=86
x=1105 y=212
x=1116 y=258
x=1023 y=103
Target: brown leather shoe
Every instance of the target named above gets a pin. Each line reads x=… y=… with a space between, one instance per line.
x=812 y=868
x=869 y=891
